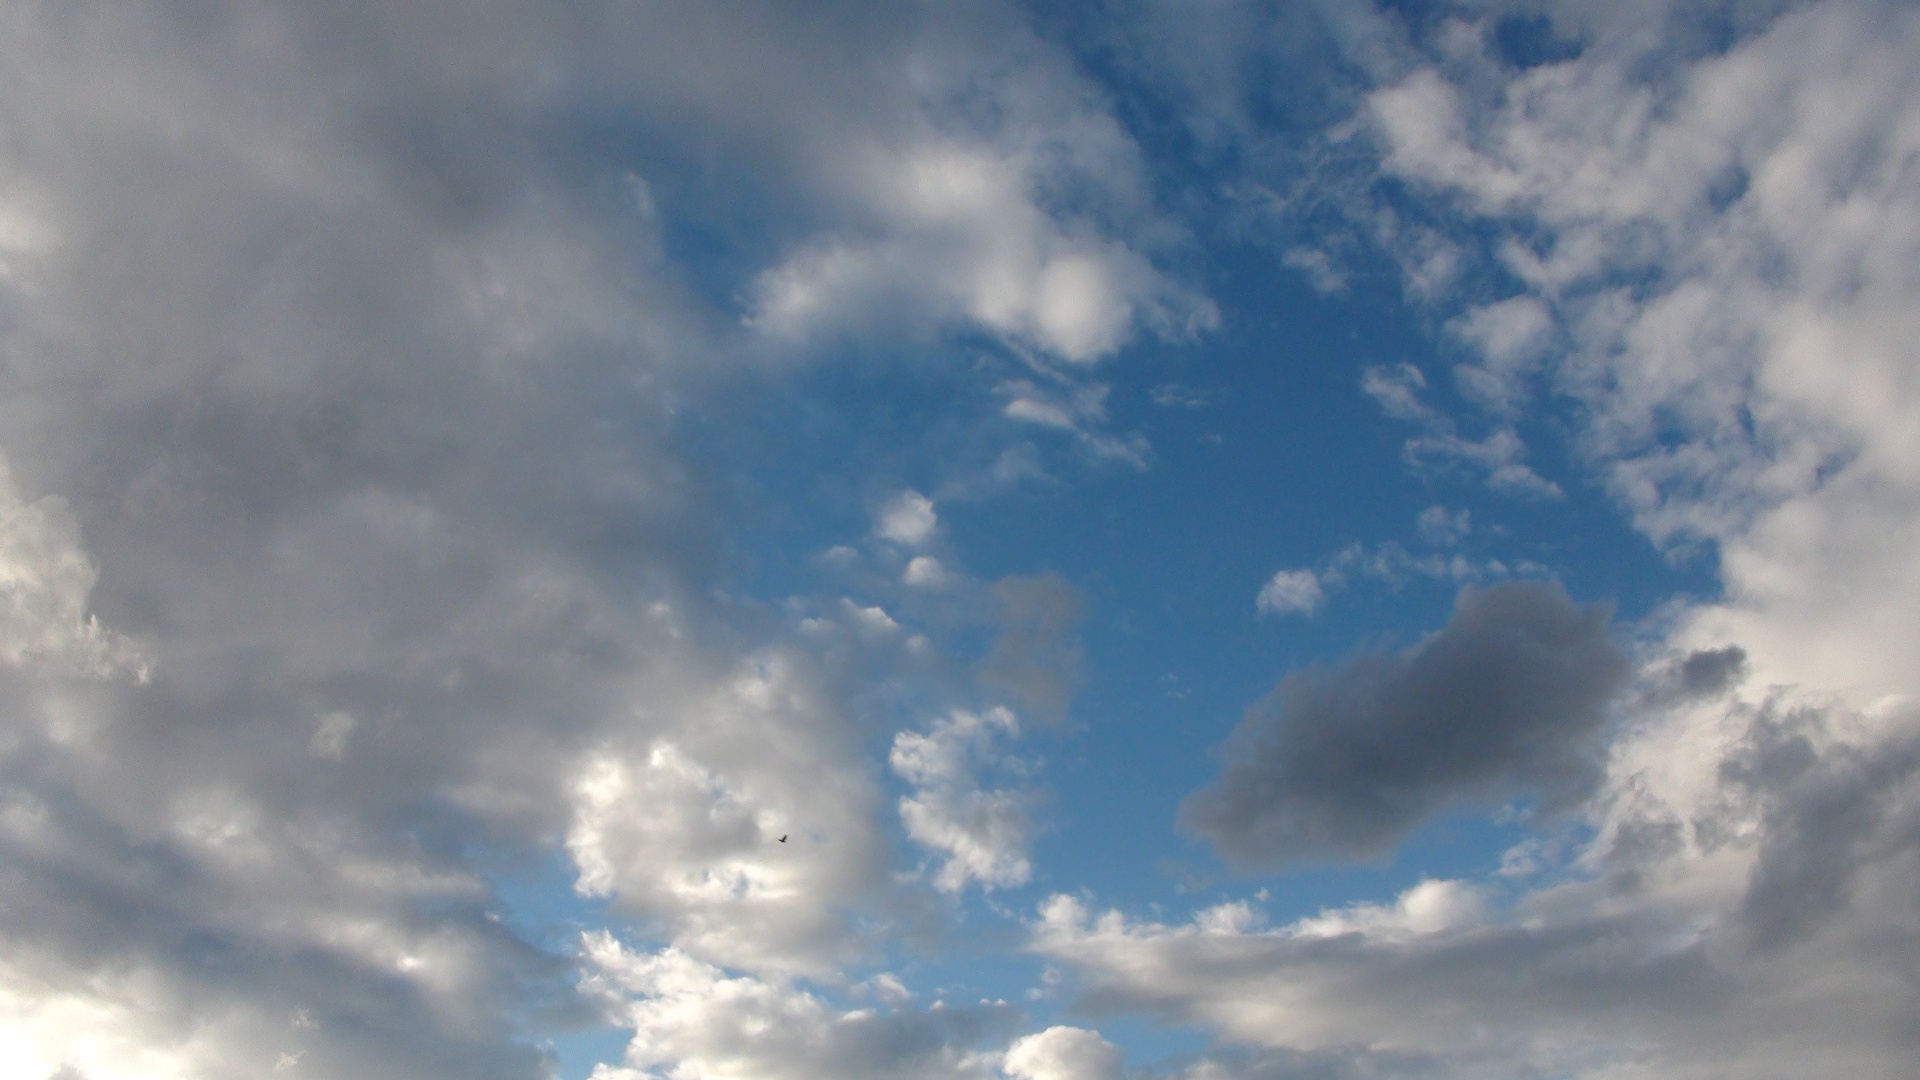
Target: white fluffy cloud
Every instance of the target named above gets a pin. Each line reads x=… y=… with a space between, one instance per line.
x=1290 y=592
x=696 y=1021
x=908 y=518
x=1063 y=1053
x=980 y=832
x=686 y=831
x=956 y=227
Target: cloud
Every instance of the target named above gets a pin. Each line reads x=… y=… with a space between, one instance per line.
x=1302 y=591
x=1832 y=810
x=1512 y=336
x=683 y=831
x=1685 y=193
x=46 y=578
x=1508 y=698
x=700 y=1022
x=1499 y=453
x=981 y=833
x=956 y=219
x=1076 y=408
x=1290 y=592
x=342 y=402
x=1745 y=856
x=908 y=518
x=1063 y=1053
x=925 y=572
x=1438 y=525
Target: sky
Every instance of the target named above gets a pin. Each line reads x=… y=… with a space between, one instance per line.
x=1092 y=540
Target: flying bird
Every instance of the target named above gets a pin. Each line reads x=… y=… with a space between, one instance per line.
x=783 y=838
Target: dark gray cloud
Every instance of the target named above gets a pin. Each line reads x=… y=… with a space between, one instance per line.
x=1833 y=813
x=1509 y=698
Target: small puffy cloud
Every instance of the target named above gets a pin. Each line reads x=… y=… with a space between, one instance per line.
x=980 y=832
x=1290 y=592
x=908 y=518
x=1508 y=698
x=925 y=572
x=870 y=621
x=1063 y=1053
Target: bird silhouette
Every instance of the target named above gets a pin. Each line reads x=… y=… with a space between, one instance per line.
x=783 y=838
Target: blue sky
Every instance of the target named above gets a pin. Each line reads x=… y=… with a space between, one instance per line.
x=1149 y=539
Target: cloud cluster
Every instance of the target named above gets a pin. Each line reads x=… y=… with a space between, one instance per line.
x=1721 y=242
x=1749 y=852
x=1705 y=221
x=348 y=553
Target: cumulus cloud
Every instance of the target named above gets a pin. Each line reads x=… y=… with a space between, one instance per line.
x=967 y=235
x=684 y=833
x=908 y=518
x=1289 y=592
x=980 y=833
x=1063 y=1053
x=925 y=572
x=697 y=1021
x=1508 y=698
x=1742 y=390
x=1511 y=336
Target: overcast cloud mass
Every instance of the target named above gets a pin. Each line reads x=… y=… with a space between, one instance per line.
x=1016 y=541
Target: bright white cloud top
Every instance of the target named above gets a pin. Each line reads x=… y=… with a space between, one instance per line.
x=1012 y=541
